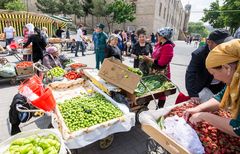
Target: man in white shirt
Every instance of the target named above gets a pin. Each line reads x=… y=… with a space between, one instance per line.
x=79 y=41
x=9 y=32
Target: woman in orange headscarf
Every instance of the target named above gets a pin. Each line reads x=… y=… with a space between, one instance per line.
x=223 y=62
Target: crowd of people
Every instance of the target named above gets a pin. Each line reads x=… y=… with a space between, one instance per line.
x=212 y=76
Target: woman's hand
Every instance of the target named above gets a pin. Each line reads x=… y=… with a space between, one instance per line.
x=189 y=112
x=148 y=59
x=197 y=117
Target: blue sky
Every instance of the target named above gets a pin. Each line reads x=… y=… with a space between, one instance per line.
x=198 y=5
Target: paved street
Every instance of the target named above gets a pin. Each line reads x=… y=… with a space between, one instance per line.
x=132 y=142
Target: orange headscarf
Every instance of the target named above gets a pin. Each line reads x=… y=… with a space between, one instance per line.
x=227 y=53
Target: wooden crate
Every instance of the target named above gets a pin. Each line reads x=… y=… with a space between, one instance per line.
x=165 y=141
x=24 y=71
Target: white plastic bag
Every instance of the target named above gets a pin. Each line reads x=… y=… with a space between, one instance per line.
x=7 y=70
x=184 y=134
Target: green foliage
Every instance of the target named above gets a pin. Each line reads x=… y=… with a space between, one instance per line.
x=223 y=16
x=197 y=27
x=87 y=7
x=3 y=3
x=122 y=11
x=16 y=5
x=47 y=6
x=100 y=8
x=214 y=18
x=231 y=19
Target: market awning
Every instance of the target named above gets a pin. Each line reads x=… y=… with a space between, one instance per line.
x=61 y=19
x=19 y=19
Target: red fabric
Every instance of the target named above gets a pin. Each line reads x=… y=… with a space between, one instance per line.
x=164 y=54
x=181 y=98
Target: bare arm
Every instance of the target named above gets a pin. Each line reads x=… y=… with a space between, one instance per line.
x=217 y=121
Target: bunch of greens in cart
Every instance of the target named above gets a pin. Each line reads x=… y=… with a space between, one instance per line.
x=153 y=83
x=83 y=112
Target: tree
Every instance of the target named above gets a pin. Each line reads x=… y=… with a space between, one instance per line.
x=223 y=16
x=47 y=6
x=213 y=16
x=3 y=3
x=87 y=7
x=16 y=5
x=118 y=11
x=197 y=27
x=231 y=19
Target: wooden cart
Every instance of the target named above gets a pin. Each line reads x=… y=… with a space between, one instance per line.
x=161 y=143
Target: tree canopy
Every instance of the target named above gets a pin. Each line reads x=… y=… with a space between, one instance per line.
x=223 y=16
x=197 y=27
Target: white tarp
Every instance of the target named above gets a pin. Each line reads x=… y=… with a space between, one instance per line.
x=94 y=133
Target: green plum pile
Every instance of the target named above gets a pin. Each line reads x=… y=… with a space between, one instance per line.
x=56 y=72
x=83 y=112
x=35 y=145
x=153 y=83
x=136 y=71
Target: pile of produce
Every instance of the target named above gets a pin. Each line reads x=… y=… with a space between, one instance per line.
x=66 y=62
x=24 y=64
x=213 y=140
x=136 y=71
x=153 y=83
x=35 y=144
x=56 y=72
x=77 y=65
x=72 y=75
x=83 y=112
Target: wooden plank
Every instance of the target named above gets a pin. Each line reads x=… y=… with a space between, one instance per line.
x=166 y=142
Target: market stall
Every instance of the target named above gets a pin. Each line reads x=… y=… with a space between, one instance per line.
x=171 y=133
x=10 y=72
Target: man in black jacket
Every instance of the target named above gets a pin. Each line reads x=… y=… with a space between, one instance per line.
x=199 y=82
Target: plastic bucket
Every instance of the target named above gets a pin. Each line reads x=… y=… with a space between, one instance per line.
x=34 y=83
x=46 y=101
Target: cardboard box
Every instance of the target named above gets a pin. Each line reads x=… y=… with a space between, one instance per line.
x=24 y=71
x=116 y=73
x=92 y=74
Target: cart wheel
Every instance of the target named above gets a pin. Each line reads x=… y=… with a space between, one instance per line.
x=144 y=108
x=106 y=142
x=154 y=148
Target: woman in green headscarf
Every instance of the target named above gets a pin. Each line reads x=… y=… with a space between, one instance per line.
x=223 y=62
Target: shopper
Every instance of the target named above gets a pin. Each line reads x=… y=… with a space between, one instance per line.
x=162 y=56
x=142 y=47
x=80 y=41
x=99 y=40
x=9 y=33
x=38 y=45
x=59 y=32
x=44 y=33
x=51 y=58
x=199 y=82
x=112 y=49
x=223 y=63
x=153 y=39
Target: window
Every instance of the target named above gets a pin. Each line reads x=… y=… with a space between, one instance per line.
x=164 y=14
x=160 y=9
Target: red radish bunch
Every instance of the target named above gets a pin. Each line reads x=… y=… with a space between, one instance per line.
x=213 y=140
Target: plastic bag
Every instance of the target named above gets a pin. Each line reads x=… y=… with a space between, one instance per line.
x=184 y=134
x=7 y=70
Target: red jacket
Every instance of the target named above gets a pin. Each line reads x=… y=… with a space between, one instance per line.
x=163 y=55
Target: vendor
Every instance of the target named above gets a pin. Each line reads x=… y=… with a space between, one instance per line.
x=223 y=62
x=51 y=58
x=162 y=56
x=112 y=49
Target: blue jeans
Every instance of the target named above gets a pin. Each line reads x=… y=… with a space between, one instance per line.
x=78 y=44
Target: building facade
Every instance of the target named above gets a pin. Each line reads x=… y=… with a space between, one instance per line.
x=150 y=14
